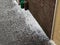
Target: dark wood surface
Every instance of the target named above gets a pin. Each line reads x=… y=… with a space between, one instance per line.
x=43 y=11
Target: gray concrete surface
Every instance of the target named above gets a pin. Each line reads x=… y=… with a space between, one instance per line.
x=18 y=27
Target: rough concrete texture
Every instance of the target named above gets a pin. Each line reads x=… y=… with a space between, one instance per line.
x=17 y=28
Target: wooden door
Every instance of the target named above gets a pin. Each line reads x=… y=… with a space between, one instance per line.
x=43 y=11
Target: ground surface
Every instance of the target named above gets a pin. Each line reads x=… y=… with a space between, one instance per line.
x=18 y=27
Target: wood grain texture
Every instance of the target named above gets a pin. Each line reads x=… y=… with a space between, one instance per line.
x=43 y=11
x=56 y=36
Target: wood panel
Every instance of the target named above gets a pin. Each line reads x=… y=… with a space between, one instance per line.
x=43 y=11
x=56 y=36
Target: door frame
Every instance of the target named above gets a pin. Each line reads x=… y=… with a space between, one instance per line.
x=54 y=18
